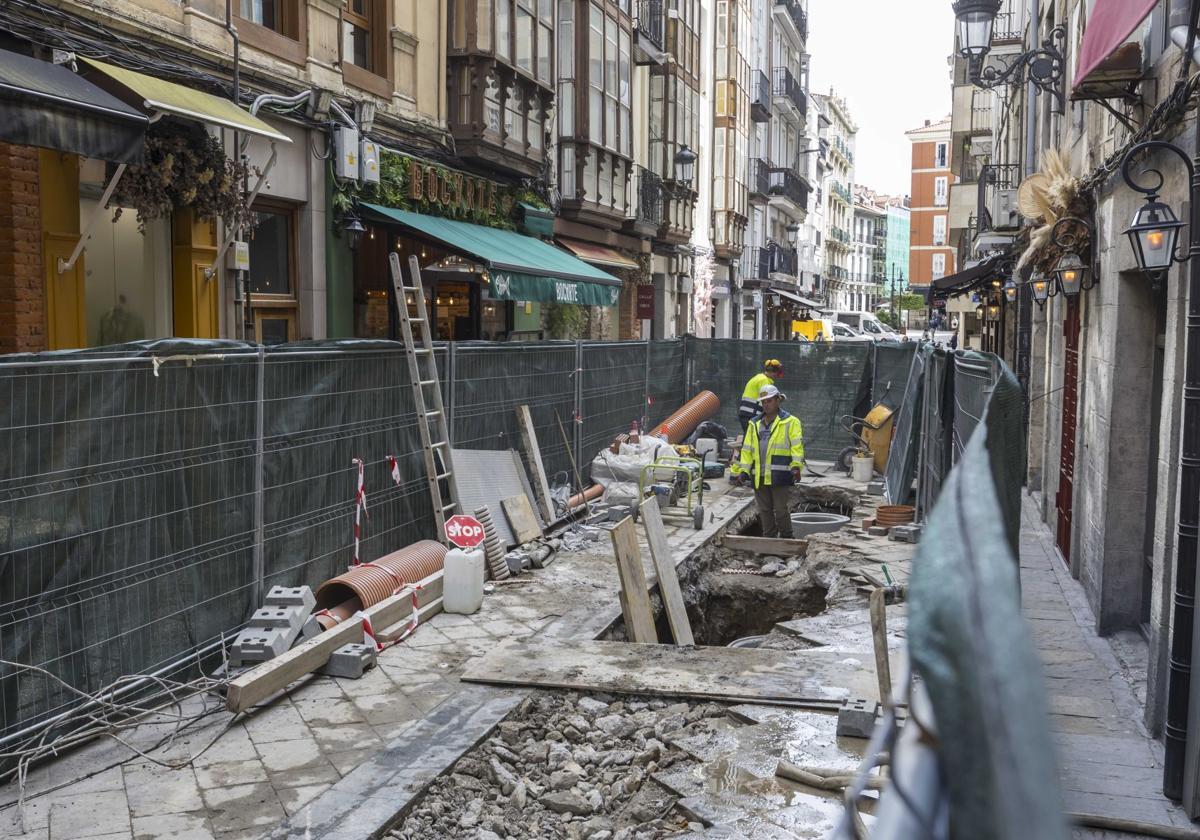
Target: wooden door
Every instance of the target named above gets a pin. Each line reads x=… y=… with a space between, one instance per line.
x=1066 y=457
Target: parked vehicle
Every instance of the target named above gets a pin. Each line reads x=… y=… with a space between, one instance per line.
x=867 y=324
x=845 y=332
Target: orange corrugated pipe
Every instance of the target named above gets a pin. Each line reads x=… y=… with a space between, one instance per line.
x=365 y=586
x=593 y=492
x=684 y=421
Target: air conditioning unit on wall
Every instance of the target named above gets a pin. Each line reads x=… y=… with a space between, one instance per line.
x=1004 y=209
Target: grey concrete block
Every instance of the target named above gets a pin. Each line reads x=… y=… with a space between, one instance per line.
x=291 y=596
x=350 y=661
x=310 y=629
x=875 y=488
x=618 y=512
x=856 y=717
x=258 y=644
x=291 y=618
x=877 y=531
x=905 y=533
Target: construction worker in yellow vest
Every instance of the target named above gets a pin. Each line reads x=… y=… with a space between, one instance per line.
x=772 y=458
x=749 y=408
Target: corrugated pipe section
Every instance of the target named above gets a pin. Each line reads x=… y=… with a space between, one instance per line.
x=684 y=421
x=593 y=492
x=365 y=586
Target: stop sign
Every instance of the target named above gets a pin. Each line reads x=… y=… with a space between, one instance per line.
x=464 y=531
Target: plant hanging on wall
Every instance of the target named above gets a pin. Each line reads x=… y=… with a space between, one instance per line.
x=1045 y=197
x=184 y=167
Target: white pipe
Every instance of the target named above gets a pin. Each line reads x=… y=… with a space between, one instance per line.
x=1179 y=36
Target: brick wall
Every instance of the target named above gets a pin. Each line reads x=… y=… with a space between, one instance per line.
x=22 y=297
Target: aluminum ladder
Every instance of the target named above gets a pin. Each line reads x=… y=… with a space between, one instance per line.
x=439 y=465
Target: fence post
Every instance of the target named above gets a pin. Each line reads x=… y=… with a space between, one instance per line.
x=646 y=387
x=451 y=375
x=577 y=420
x=259 y=562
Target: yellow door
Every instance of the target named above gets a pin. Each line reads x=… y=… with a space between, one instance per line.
x=66 y=312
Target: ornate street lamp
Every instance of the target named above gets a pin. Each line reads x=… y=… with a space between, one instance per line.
x=1073 y=275
x=1155 y=228
x=1042 y=289
x=685 y=166
x=993 y=312
x=975 y=20
x=1011 y=289
x=354 y=230
x=1045 y=64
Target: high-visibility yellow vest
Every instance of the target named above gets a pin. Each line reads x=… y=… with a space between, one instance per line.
x=749 y=408
x=785 y=452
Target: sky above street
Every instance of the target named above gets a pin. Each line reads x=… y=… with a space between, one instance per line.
x=887 y=58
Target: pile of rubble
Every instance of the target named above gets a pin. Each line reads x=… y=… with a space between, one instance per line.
x=564 y=766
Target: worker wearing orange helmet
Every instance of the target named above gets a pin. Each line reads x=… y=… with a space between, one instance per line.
x=749 y=408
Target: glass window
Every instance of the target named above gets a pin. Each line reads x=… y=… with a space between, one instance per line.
x=491 y=106
x=514 y=128
x=533 y=127
x=525 y=40
x=939 y=266
x=611 y=82
x=504 y=29
x=568 y=185
x=939 y=230
x=483 y=19
x=939 y=191
x=941 y=152
x=545 y=53
x=596 y=76
x=271 y=253
x=546 y=11
x=356 y=33
x=605 y=188
x=566 y=108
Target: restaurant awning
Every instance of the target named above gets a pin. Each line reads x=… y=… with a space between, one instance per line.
x=597 y=254
x=48 y=106
x=967 y=279
x=521 y=267
x=170 y=98
x=1109 y=25
x=803 y=301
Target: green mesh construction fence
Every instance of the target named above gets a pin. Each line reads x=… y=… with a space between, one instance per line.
x=149 y=492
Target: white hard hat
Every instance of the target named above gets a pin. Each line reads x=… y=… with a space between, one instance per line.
x=768 y=391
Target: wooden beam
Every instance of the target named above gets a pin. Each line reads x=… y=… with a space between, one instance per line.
x=271 y=676
x=664 y=567
x=765 y=545
x=540 y=485
x=635 y=600
x=522 y=518
x=747 y=675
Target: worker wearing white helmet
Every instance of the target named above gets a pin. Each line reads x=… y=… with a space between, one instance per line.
x=773 y=458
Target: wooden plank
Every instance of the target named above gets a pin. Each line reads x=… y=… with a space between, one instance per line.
x=664 y=566
x=271 y=676
x=532 y=452
x=522 y=518
x=635 y=599
x=751 y=675
x=765 y=545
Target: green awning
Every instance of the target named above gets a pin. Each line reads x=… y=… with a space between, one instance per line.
x=170 y=98
x=521 y=267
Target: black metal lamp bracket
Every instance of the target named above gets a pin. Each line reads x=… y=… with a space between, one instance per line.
x=1046 y=67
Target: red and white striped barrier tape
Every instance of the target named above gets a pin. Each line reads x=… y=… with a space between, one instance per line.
x=360 y=507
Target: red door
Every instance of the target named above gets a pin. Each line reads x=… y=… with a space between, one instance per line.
x=1066 y=456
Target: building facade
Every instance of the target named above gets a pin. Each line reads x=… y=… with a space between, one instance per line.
x=837 y=184
x=930 y=254
x=1103 y=366
x=895 y=269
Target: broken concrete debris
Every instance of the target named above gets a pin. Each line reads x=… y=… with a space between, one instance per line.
x=564 y=766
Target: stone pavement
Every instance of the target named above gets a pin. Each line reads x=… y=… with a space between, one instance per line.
x=257 y=770
x=1108 y=763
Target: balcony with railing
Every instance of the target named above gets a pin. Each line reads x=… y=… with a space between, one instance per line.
x=646 y=209
x=788 y=90
x=843 y=148
x=762 y=262
x=788 y=185
x=760 y=179
x=841 y=192
x=837 y=274
x=793 y=10
x=995 y=179
x=839 y=237
x=649 y=31
x=760 y=96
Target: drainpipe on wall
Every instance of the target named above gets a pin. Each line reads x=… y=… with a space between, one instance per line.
x=1031 y=97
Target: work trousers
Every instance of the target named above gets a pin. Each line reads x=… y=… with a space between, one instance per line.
x=773 y=511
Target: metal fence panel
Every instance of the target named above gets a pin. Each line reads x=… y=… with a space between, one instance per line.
x=126 y=515
x=892 y=362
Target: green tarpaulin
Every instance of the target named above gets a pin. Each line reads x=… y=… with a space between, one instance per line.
x=520 y=267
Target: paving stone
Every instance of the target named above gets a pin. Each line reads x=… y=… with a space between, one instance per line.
x=89 y=814
x=230 y=774
x=193 y=826
x=243 y=806
x=346 y=761
x=325 y=713
x=278 y=722
x=291 y=755
x=154 y=790
x=387 y=708
x=294 y=799
x=35 y=817
x=346 y=736
x=312 y=774
x=466 y=631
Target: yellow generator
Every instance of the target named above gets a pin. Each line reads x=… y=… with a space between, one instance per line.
x=814 y=329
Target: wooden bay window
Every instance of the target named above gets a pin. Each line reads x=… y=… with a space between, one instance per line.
x=277 y=27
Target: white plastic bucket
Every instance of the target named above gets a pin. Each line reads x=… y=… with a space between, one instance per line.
x=462 y=583
x=862 y=468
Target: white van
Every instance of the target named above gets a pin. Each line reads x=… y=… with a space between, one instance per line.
x=867 y=324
